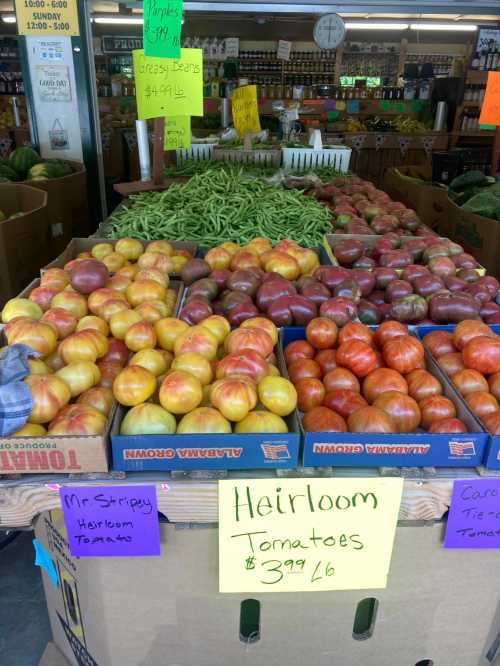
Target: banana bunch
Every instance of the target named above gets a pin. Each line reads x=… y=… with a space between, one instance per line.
x=404 y=124
x=355 y=125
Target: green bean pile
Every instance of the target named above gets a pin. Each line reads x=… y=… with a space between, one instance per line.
x=193 y=167
x=221 y=205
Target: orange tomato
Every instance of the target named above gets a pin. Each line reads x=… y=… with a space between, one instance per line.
x=134 y=385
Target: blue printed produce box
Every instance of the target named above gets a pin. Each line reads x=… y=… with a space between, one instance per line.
x=132 y=453
x=418 y=449
x=491 y=458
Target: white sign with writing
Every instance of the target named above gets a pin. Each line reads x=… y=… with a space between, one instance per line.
x=284 y=49
x=297 y=535
x=232 y=47
x=53 y=83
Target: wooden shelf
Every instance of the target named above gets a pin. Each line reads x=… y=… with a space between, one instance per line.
x=476 y=76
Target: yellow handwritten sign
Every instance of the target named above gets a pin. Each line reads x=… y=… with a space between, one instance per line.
x=47 y=17
x=177 y=132
x=245 y=111
x=490 y=110
x=305 y=535
x=167 y=86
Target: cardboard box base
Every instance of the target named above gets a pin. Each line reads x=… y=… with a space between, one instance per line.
x=439 y=604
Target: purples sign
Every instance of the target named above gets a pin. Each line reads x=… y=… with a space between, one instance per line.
x=111 y=521
x=474 y=516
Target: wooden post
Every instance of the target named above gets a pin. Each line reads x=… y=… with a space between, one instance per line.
x=158 y=157
x=495 y=155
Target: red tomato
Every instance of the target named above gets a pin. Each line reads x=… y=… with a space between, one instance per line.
x=310 y=393
x=356 y=331
x=344 y=401
x=439 y=342
x=451 y=363
x=322 y=419
x=448 y=426
x=482 y=353
x=381 y=380
x=326 y=360
x=468 y=381
x=321 y=333
x=247 y=363
x=403 y=410
x=388 y=330
x=404 y=354
x=255 y=339
x=492 y=422
x=340 y=378
x=421 y=384
x=482 y=403
x=467 y=330
x=298 y=349
x=357 y=356
x=436 y=408
x=371 y=419
x=303 y=368
x=494 y=384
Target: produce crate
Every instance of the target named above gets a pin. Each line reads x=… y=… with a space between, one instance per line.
x=426 y=199
x=24 y=240
x=197 y=151
x=132 y=453
x=491 y=458
x=78 y=245
x=420 y=449
x=480 y=236
x=304 y=159
x=440 y=607
x=263 y=158
x=330 y=240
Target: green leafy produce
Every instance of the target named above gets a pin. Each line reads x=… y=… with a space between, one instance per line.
x=22 y=159
x=485 y=203
x=468 y=179
x=222 y=205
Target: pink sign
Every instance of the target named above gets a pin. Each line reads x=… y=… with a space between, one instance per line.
x=111 y=521
x=474 y=515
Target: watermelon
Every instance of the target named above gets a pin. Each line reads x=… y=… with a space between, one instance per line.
x=59 y=167
x=7 y=172
x=3 y=216
x=22 y=159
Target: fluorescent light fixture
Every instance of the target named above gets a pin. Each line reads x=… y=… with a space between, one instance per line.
x=366 y=25
x=457 y=27
x=9 y=18
x=118 y=20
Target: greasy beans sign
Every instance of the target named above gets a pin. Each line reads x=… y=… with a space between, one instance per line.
x=289 y=535
x=166 y=86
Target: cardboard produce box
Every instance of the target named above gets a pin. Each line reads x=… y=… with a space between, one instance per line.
x=439 y=604
x=480 y=236
x=427 y=200
x=417 y=449
x=24 y=240
x=67 y=207
x=77 y=245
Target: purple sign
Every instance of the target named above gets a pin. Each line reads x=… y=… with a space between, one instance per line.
x=474 y=516
x=111 y=521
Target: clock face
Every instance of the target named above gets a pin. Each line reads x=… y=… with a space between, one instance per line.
x=329 y=31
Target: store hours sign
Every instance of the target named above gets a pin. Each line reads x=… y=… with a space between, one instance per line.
x=47 y=17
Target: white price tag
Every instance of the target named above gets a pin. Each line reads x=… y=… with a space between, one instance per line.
x=284 y=49
x=232 y=47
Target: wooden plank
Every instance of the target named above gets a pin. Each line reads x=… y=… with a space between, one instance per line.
x=194 y=500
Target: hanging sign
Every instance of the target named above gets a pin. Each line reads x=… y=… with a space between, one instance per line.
x=162 y=28
x=474 y=515
x=177 y=132
x=490 y=110
x=53 y=83
x=298 y=535
x=232 y=47
x=169 y=86
x=284 y=49
x=245 y=110
x=111 y=521
x=47 y=17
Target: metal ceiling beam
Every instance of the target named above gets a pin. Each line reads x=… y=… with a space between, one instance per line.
x=479 y=7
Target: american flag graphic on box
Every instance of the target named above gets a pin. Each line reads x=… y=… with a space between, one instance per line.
x=462 y=449
x=275 y=451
